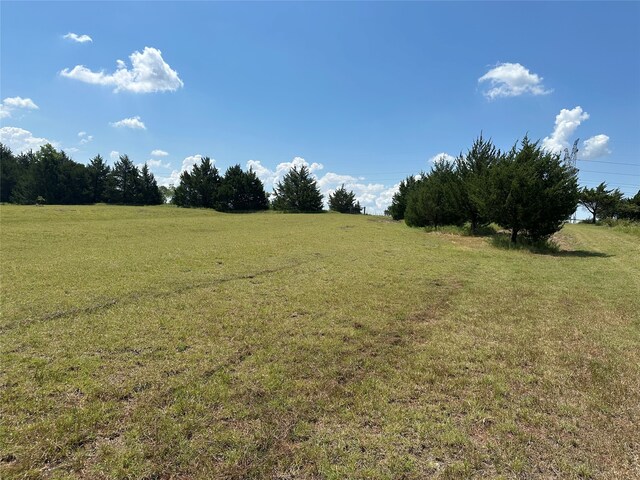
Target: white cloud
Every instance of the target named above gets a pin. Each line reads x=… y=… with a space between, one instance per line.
x=443 y=157
x=20 y=140
x=19 y=102
x=114 y=155
x=84 y=138
x=149 y=73
x=187 y=166
x=375 y=196
x=10 y=104
x=158 y=163
x=78 y=38
x=511 y=80
x=159 y=153
x=271 y=177
x=71 y=150
x=566 y=123
x=595 y=147
x=133 y=122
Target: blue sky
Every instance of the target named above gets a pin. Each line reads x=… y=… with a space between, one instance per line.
x=364 y=93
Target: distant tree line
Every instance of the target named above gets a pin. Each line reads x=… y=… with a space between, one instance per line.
x=238 y=190
x=204 y=187
x=50 y=176
x=603 y=203
x=527 y=190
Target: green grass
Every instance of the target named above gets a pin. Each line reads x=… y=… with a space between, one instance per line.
x=164 y=343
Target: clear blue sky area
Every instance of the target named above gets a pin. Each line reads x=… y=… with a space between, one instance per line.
x=368 y=92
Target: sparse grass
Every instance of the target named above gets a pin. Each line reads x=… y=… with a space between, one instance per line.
x=163 y=343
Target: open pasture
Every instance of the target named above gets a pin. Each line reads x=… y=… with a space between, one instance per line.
x=159 y=342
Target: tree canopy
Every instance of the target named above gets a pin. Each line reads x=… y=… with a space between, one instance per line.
x=526 y=190
x=236 y=191
x=55 y=178
x=599 y=201
x=399 y=201
x=298 y=192
x=531 y=190
x=344 y=201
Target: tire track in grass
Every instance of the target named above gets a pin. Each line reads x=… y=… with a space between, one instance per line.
x=144 y=295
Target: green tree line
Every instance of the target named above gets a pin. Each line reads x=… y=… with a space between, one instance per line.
x=50 y=176
x=204 y=187
x=527 y=190
x=604 y=203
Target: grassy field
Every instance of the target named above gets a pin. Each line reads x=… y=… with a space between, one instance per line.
x=164 y=343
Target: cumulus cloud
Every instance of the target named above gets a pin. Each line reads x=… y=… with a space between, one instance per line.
x=158 y=163
x=375 y=196
x=159 y=153
x=84 y=138
x=78 y=38
x=271 y=177
x=20 y=140
x=10 y=104
x=595 y=147
x=567 y=121
x=149 y=73
x=442 y=157
x=187 y=166
x=511 y=80
x=114 y=155
x=133 y=122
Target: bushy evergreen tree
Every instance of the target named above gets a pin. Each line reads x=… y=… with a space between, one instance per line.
x=49 y=174
x=98 y=172
x=297 y=192
x=198 y=188
x=531 y=190
x=10 y=172
x=473 y=168
x=241 y=191
x=437 y=199
x=399 y=201
x=629 y=208
x=125 y=186
x=149 y=191
x=344 y=201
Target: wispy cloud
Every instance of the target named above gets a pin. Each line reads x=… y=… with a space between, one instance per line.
x=78 y=38
x=85 y=138
x=133 y=122
x=158 y=163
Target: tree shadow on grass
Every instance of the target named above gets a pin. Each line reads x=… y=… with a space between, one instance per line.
x=581 y=254
x=541 y=247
